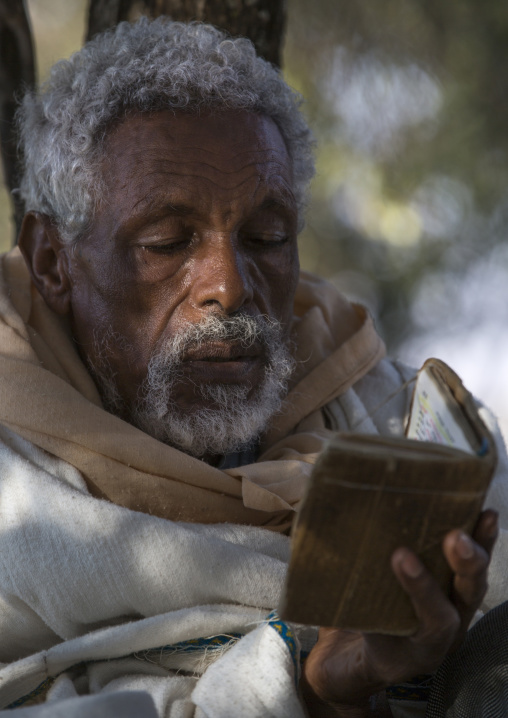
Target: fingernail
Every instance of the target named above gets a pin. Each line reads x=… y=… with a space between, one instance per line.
x=492 y=527
x=411 y=566
x=465 y=547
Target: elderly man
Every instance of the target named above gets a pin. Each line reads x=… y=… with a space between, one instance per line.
x=168 y=378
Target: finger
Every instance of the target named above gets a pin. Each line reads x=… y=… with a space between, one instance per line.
x=439 y=620
x=469 y=561
x=486 y=530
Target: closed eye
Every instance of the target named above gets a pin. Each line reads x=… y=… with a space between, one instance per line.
x=168 y=247
x=267 y=240
x=164 y=248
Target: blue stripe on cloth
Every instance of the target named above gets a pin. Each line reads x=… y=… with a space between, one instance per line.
x=286 y=633
x=36 y=693
x=200 y=644
x=194 y=645
x=416 y=689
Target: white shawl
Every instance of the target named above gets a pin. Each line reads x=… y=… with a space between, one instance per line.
x=100 y=600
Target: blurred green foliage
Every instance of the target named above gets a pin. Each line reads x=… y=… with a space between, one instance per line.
x=409 y=101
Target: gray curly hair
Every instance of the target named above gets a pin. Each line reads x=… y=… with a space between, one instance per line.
x=142 y=67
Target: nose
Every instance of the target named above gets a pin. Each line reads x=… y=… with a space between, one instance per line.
x=221 y=277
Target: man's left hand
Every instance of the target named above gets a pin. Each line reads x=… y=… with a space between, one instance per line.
x=346 y=667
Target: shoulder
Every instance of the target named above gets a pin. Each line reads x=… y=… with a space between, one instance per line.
x=378 y=403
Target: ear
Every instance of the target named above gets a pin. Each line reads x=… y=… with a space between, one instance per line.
x=47 y=260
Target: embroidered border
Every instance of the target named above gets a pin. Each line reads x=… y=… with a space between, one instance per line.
x=286 y=633
x=36 y=693
x=416 y=689
x=193 y=645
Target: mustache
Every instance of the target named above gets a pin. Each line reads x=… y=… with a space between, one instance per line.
x=242 y=332
x=234 y=415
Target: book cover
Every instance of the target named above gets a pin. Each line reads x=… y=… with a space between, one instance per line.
x=370 y=494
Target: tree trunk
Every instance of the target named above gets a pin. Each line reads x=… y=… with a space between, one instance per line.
x=16 y=72
x=262 y=21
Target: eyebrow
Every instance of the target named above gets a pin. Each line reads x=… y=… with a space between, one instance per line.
x=183 y=210
x=146 y=205
x=148 y=209
x=282 y=201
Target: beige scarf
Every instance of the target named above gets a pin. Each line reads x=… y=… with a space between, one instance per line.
x=48 y=397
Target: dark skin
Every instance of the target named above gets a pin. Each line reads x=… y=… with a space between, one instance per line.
x=198 y=216
x=366 y=663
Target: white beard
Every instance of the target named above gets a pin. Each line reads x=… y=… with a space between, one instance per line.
x=236 y=414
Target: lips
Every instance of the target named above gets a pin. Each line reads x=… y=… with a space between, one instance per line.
x=222 y=352
x=224 y=362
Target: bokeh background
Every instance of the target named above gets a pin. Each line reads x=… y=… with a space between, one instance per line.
x=409 y=214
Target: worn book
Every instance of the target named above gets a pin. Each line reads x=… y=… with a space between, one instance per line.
x=370 y=494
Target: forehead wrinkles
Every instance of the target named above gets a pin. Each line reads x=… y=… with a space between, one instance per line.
x=225 y=171
x=240 y=160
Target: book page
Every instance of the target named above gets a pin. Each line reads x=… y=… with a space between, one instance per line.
x=431 y=417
